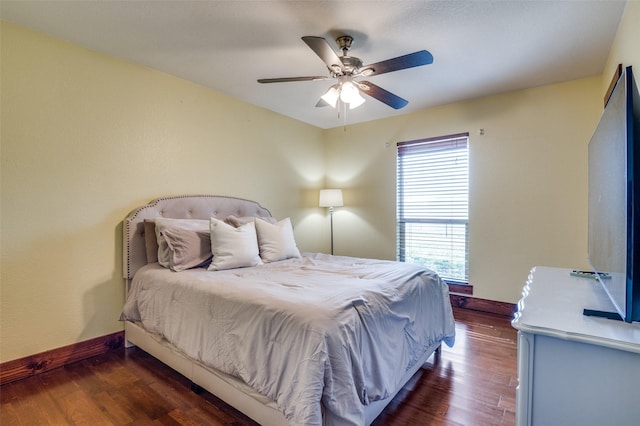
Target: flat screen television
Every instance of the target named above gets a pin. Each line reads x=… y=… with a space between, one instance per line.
x=614 y=201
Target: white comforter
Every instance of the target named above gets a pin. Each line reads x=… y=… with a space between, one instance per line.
x=324 y=328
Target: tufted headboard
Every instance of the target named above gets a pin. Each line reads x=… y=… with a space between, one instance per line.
x=178 y=207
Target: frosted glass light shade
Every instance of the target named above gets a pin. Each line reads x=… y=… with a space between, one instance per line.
x=331 y=198
x=356 y=101
x=331 y=97
x=348 y=92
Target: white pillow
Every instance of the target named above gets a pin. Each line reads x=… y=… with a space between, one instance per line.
x=241 y=220
x=276 y=241
x=165 y=253
x=233 y=247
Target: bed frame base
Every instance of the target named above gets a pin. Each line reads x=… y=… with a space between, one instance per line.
x=262 y=410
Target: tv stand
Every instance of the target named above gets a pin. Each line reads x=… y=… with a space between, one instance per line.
x=574 y=369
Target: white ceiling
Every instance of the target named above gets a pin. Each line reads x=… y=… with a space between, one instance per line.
x=479 y=47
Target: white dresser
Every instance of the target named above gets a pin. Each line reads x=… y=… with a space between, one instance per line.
x=574 y=369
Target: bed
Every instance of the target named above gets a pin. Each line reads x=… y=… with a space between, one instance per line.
x=285 y=337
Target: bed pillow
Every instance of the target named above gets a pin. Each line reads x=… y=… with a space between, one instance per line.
x=187 y=248
x=241 y=220
x=150 y=240
x=233 y=247
x=276 y=241
x=177 y=237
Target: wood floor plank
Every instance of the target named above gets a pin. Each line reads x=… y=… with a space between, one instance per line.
x=472 y=383
x=80 y=409
x=8 y=415
x=35 y=405
x=57 y=382
x=115 y=408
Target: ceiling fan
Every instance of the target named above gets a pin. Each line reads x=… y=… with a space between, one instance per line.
x=346 y=69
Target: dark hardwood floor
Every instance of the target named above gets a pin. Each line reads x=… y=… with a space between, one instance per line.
x=472 y=383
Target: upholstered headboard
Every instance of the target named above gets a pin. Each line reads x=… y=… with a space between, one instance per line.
x=178 y=207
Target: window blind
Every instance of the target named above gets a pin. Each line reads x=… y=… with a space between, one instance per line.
x=433 y=205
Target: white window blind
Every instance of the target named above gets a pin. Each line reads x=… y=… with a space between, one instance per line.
x=433 y=205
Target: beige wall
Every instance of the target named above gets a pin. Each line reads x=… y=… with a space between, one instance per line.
x=528 y=180
x=85 y=139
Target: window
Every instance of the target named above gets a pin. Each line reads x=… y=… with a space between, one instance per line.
x=432 y=205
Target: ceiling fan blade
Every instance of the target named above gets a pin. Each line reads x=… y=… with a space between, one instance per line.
x=322 y=103
x=384 y=96
x=322 y=48
x=411 y=60
x=288 y=79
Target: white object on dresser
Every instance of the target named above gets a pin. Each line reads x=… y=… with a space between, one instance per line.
x=574 y=369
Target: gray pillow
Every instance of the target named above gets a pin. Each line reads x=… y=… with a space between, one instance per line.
x=181 y=242
x=150 y=240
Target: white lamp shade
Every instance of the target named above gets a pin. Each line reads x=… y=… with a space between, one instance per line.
x=356 y=101
x=348 y=92
x=331 y=97
x=331 y=198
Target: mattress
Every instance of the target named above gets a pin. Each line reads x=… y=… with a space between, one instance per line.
x=322 y=336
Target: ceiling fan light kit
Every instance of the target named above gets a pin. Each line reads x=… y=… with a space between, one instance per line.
x=347 y=68
x=345 y=91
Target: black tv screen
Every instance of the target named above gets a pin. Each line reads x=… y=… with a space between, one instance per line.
x=614 y=200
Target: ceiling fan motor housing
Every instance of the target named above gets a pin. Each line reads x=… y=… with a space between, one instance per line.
x=350 y=64
x=344 y=42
